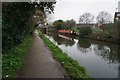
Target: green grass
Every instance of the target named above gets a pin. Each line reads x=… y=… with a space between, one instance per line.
x=0 y=65
x=71 y=66
x=109 y=33
x=96 y=30
x=13 y=58
x=75 y=29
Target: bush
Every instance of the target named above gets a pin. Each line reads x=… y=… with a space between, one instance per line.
x=85 y=31
x=13 y=58
x=59 y=24
x=18 y=21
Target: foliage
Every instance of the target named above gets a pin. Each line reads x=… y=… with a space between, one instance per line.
x=17 y=20
x=118 y=30
x=13 y=58
x=110 y=33
x=85 y=31
x=70 y=23
x=104 y=18
x=59 y=24
x=111 y=29
x=96 y=30
x=73 y=68
x=86 y=18
x=75 y=29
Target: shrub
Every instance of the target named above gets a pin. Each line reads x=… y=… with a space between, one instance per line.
x=85 y=31
x=13 y=58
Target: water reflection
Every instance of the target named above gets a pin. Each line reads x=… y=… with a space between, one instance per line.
x=107 y=54
x=108 y=51
x=99 y=58
x=62 y=39
x=84 y=45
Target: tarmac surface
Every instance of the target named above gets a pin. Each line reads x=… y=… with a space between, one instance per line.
x=39 y=62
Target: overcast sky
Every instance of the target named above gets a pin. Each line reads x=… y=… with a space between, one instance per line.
x=72 y=9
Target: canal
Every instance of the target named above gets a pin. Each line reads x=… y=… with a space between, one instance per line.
x=98 y=57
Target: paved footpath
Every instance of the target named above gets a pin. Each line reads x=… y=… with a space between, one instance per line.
x=39 y=62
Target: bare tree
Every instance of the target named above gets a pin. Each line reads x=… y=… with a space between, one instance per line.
x=86 y=18
x=104 y=18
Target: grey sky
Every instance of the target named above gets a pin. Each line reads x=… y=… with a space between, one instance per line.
x=72 y=9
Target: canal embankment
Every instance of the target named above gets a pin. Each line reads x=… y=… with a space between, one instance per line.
x=72 y=67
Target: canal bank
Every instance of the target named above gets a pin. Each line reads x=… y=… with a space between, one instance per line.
x=72 y=67
x=100 y=58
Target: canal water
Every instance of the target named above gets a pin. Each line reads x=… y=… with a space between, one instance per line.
x=98 y=57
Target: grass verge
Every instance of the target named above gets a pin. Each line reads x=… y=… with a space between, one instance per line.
x=13 y=58
x=71 y=66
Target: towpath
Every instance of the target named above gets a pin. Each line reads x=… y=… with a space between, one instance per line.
x=39 y=62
